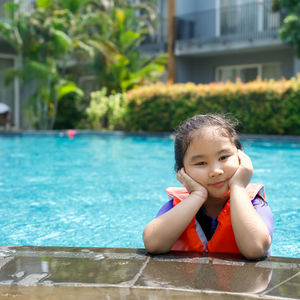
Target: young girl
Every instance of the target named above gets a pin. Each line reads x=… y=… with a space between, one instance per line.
x=218 y=210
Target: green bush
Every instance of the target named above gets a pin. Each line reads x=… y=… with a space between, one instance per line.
x=106 y=111
x=70 y=112
x=262 y=107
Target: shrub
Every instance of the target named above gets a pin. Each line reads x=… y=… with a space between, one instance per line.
x=70 y=112
x=106 y=111
x=262 y=107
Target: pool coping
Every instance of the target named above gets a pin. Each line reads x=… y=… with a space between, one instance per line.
x=64 y=133
x=127 y=273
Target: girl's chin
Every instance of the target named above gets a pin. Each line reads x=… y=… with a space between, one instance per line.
x=221 y=196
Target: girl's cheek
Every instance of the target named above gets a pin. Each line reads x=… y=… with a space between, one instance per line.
x=197 y=175
x=189 y=171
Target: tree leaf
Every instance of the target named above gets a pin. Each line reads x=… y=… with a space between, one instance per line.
x=67 y=88
x=43 y=3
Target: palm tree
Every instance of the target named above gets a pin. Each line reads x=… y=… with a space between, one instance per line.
x=130 y=25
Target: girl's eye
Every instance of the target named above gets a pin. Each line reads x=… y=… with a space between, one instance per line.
x=200 y=163
x=224 y=157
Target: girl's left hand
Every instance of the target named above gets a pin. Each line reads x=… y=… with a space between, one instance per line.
x=244 y=173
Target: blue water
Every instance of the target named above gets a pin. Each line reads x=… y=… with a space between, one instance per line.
x=101 y=191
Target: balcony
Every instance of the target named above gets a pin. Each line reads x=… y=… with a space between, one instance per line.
x=157 y=42
x=228 y=28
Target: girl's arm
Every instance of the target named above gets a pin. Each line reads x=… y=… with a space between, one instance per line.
x=162 y=232
x=251 y=234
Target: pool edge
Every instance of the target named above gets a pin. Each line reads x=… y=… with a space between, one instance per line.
x=128 y=273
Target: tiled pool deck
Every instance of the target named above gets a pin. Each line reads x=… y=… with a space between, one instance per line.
x=103 y=273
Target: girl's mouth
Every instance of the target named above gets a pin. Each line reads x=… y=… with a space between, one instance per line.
x=219 y=184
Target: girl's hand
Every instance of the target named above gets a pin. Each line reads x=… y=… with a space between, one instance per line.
x=244 y=173
x=191 y=185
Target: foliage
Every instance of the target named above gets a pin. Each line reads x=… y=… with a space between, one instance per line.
x=262 y=107
x=107 y=112
x=290 y=30
x=130 y=69
x=41 y=42
x=70 y=112
x=61 y=40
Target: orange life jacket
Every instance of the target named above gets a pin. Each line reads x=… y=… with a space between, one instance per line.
x=223 y=240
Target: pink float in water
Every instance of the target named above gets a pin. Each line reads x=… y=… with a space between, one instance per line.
x=71 y=133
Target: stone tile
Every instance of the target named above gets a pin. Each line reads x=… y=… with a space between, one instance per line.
x=205 y=273
x=283 y=269
x=289 y=288
x=114 y=293
x=216 y=273
x=46 y=266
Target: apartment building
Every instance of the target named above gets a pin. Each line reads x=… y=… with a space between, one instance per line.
x=219 y=40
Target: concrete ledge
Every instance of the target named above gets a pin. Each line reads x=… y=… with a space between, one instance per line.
x=104 y=273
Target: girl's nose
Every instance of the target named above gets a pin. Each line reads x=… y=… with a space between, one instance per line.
x=216 y=172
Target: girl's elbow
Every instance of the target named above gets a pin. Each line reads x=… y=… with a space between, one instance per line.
x=258 y=250
x=152 y=244
x=253 y=254
x=155 y=249
x=149 y=244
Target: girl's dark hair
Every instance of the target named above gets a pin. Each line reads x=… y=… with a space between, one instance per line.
x=184 y=133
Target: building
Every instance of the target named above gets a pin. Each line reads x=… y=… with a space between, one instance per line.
x=219 y=40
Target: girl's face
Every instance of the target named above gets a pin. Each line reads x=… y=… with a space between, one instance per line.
x=211 y=159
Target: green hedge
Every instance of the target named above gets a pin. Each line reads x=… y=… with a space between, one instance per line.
x=262 y=107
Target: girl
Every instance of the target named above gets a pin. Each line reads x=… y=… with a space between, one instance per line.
x=218 y=210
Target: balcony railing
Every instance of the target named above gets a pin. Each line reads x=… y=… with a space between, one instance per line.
x=254 y=20
x=157 y=42
x=161 y=32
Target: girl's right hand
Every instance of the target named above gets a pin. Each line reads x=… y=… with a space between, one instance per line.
x=244 y=173
x=191 y=185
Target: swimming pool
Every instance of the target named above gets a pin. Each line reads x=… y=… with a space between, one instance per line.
x=101 y=190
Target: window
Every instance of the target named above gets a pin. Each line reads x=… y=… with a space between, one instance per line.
x=248 y=72
x=230 y=16
x=271 y=70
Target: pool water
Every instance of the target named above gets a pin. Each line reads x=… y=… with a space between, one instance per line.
x=101 y=190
